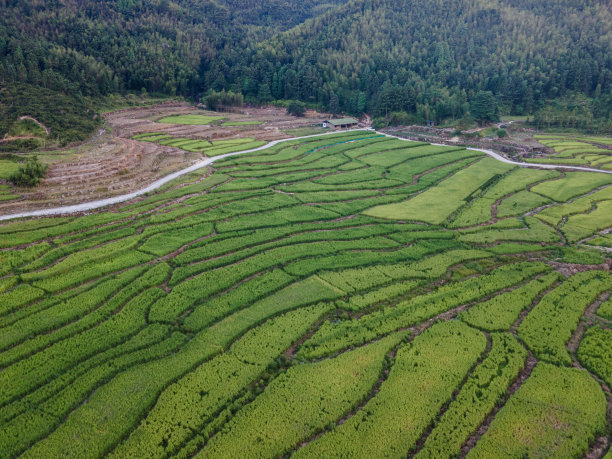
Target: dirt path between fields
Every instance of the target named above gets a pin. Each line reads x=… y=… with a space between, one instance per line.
x=503 y=159
x=92 y=205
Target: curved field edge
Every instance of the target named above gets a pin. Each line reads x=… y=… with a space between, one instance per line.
x=163 y=181
x=150 y=303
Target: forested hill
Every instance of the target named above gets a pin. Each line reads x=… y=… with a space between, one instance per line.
x=429 y=58
x=98 y=47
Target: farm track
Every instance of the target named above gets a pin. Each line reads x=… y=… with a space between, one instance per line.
x=88 y=206
x=112 y=164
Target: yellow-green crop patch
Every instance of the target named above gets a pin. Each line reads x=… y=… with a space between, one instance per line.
x=6 y=194
x=548 y=415
x=8 y=168
x=207 y=147
x=574 y=184
x=343 y=295
x=585 y=151
x=436 y=204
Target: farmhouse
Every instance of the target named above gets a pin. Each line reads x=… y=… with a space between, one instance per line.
x=340 y=123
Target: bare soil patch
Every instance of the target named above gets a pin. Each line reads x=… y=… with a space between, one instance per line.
x=111 y=163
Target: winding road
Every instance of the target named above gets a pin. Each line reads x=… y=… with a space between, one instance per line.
x=92 y=205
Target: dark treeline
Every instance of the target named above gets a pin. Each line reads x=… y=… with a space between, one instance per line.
x=100 y=47
x=432 y=59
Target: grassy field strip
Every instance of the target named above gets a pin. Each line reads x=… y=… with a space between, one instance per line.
x=195 y=120
x=253 y=290
x=212 y=281
x=44 y=303
x=393 y=420
x=547 y=416
x=484 y=388
x=77 y=315
x=551 y=323
x=595 y=352
x=43 y=366
x=521 y=203
x=46 y=409
x=605 y=310
x=581 y=226
x=500 y=312
x=320 y=242
x=435 y=205
x=319 y=393
x=332 y=338
x=573 y=184
x=535 y=231
x=208 y=389
x=480 y=210
x=578 y=205
x=153 y=186
x=305 y=232
x=62 y=313
x=145 y=382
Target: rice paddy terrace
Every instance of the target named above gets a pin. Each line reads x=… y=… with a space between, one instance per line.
x=347 y=295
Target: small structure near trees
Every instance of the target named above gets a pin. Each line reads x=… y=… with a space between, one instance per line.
x=340 y=123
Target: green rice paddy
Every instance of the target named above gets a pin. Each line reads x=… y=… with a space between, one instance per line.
x=347 y=295
x=578 y=150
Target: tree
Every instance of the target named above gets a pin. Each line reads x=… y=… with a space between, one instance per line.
x=264 y=94
x=29 y=175
x=218 y=100
x=484 y=107
x=296 y=109
x=362 y=101
x=334 y=104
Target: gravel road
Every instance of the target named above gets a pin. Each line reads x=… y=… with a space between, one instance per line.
x=92 y=205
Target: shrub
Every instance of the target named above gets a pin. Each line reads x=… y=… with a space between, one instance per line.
x=219 y=100
x=296 y=108
x=29 y=174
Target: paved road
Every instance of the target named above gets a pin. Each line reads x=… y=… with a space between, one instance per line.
x=92 y=205
x=517 y=163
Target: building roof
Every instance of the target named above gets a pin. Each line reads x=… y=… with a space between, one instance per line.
x=339 y=121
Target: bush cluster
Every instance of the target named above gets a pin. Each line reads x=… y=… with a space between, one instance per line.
x=30 y=173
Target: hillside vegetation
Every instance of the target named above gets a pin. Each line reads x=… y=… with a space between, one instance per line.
x=431 y=59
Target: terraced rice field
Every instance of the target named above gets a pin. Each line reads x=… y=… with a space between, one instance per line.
x=206 y=147
x=577 y=151
x=349 y=295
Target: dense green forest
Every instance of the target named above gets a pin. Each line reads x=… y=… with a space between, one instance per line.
x=433 y=59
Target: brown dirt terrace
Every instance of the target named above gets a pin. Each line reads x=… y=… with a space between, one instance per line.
x=111 y=163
